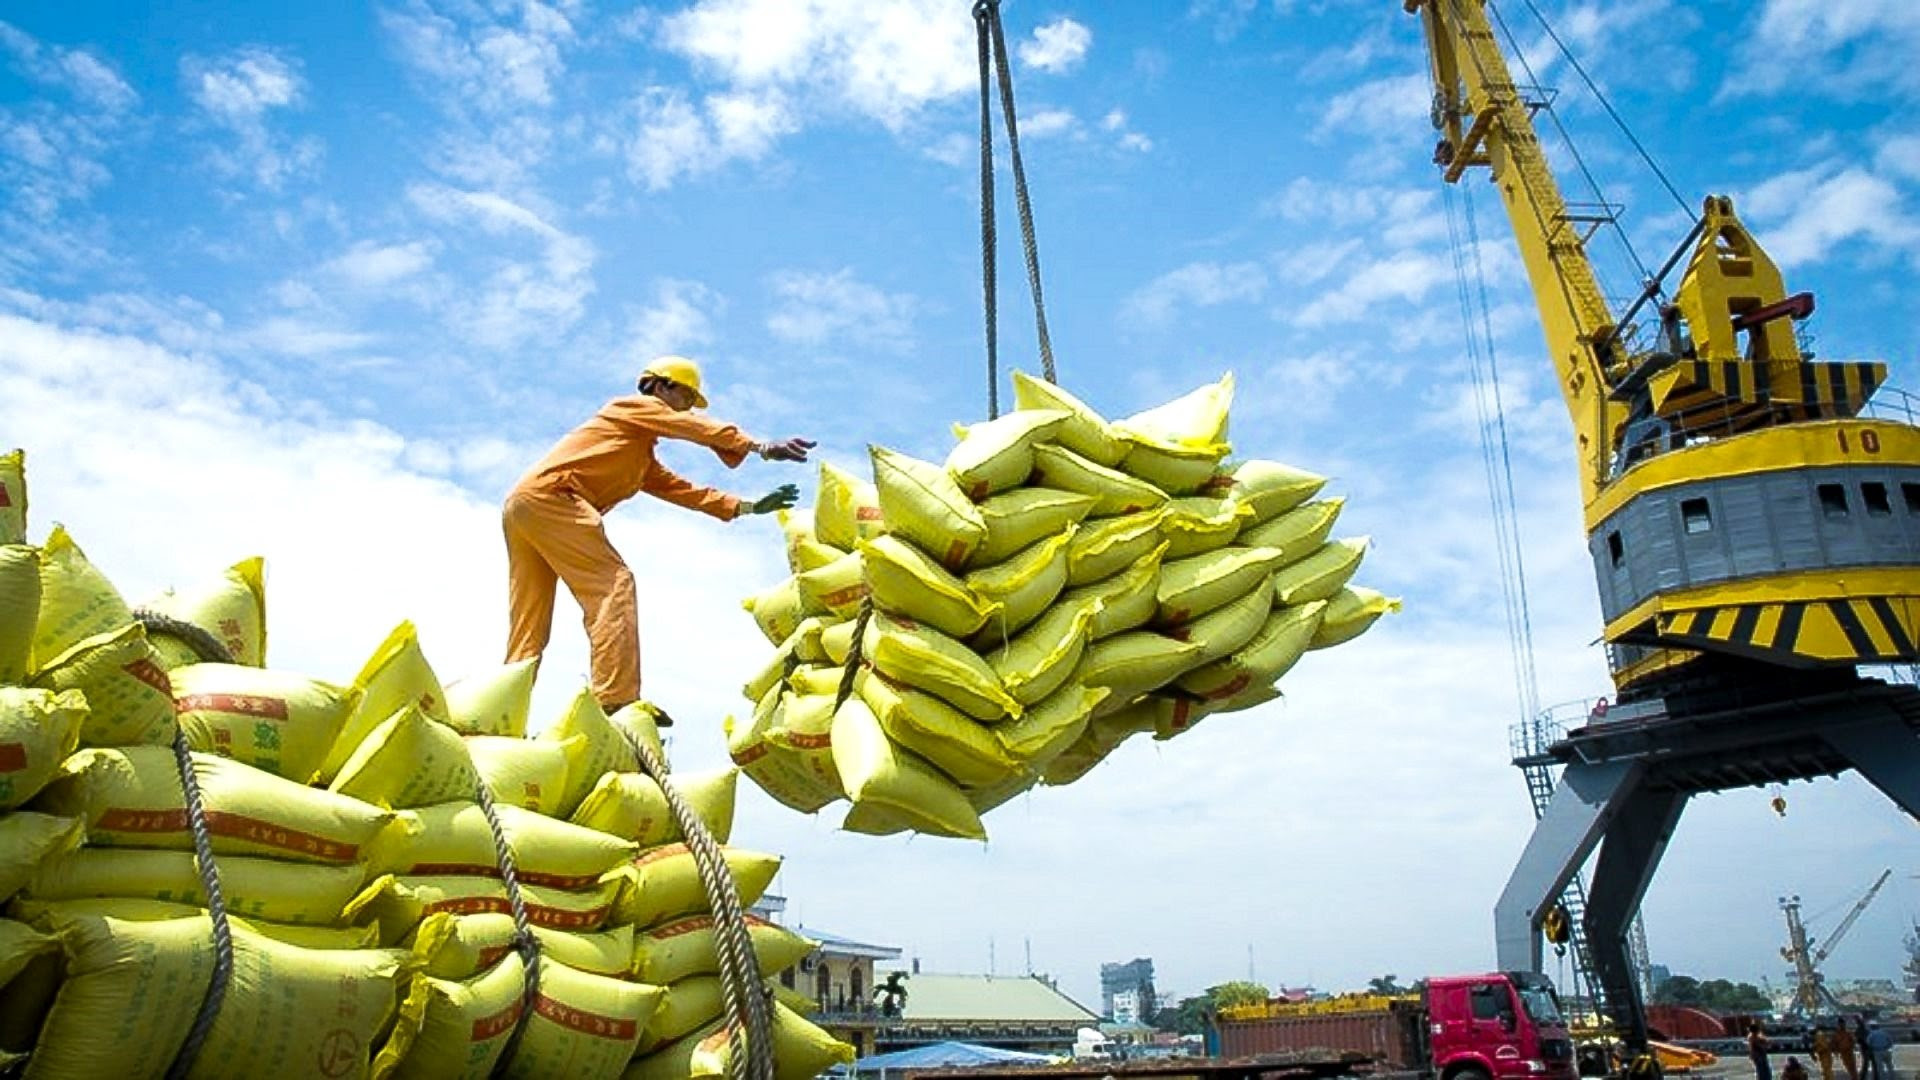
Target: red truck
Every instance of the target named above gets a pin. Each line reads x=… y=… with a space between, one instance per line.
x=1501 y=1026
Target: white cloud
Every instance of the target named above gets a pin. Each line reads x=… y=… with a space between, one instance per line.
x=519 y=300
x=1392 y=107
x=1194 y=285
x=678 y=320
x=1044 y=123
x=673 y=138
x=1818 y=209
x=476 y=59
x=1838 y=48
x=369 y=265
x=305 y=338
x=1398 y=216
x=1056 y=47
x=822 y=309
x=1403 y=278
x=89 y=78
x=1900 y=156
x=238 y=92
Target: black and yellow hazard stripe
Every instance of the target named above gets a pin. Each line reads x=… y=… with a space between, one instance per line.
x=1839 y=389
x=1867 y=629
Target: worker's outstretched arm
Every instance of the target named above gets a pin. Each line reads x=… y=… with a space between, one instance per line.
x=663 y=483
x=644 y=414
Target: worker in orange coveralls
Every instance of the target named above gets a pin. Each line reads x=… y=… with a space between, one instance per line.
x=552 y=516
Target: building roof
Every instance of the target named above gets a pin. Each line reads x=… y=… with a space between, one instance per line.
x=990 y=998
x=835 y=945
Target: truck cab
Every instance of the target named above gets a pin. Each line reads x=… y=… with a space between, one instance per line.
x=1500 y=1026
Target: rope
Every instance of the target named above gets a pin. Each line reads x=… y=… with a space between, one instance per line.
x=208 y=648
x=523 y=939
x=749 y=1025
x=216 y=908
x=852 y=667
x=991 y=41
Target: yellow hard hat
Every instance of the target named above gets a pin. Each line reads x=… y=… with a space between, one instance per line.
x=680 y=370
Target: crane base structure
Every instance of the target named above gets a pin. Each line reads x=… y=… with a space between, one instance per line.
x=1627 y=774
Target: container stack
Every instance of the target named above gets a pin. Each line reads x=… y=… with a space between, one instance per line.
x=414 y=887
x=955 y=633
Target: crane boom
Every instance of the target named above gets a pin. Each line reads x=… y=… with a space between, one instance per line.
x=1853 y=916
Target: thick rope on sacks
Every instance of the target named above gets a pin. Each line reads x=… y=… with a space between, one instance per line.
x=1060 y=583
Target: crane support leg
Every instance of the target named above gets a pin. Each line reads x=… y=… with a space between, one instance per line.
x=1583 y=806
x=1887 y=753
x=1629 y=854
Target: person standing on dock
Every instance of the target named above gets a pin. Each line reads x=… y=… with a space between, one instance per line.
x=1757 y=1050
x=1823 y=1050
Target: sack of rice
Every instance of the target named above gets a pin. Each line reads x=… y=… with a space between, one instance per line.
x=409 y=760
x=998 y=454
x=297 y=893
x=801 y=1051
x=31 y=967
x=1227 y=627
x=1122 y=601
x=272 y=720
x=395 y=676
x=837 y=587
x=1101 y=549
x=921 y=503
x=1270 y=654
x=1037 y=660
x=1295 y=533
x=532 y=774
x=399 y=902
x=1194 y=421
x=1022 y=587
x=134 y=910
x=38 y=730
x=1050 y=726
x=906 y=582
x=456 y=838
x=13 y=497
x=1197 y=524
x=19 y=610
x=493 y=703
x=805 y=733
x=1191 y=587
x=1137 y=661
x=953 y=742
x=779 y=772
x=664 y=883
x=632 y=806
x=682 y=948
x=27 y=840
x=462 y=946
x=1023 y=517
x=1322 y=574
x=77 y=601
x=1114 y=492
x=1085 y=432
x=129 y=699
x=1268 y=489
x=804 y=550
x=1350 y=612
x=778 y=609
x=926 y=659
x=605 y=744
x=848 y=510
x=232 y=608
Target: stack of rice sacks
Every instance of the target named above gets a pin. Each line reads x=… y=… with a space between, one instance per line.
x=372 y=928
x=1058 y=585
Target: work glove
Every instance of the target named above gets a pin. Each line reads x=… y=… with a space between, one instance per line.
x=794 y=449
x=780 y=498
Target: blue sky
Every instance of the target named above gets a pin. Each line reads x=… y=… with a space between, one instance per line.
x=318 y=283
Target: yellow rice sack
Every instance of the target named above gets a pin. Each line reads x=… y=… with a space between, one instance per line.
x=1322 y=574
x=232 y=607
x=1173 y=715
x=998 y=454
x=1350 y=612
x=804 y=549
x=399 y=902
x=837 y=587
x=493 y=703
x=779 y=772
x=801 y=1051
x=395 y=676
x=271 y=720
x=837 y=640
x=19 y=610
x=129 y=699
x=1101 y=549
x=1085 y=432
x=583 y=1025
x=953 y=742
x=131 y=797
x=1194 y=421
x=27 y=840
x=875 y=772
x=1198 y=524
x=1136 y=661
x=13 y=497
x=455 y=838
x=664 y=883
x=922 y=504
x=31 y=966
x=632 y=806
x=606 y=744
x=1296 y=533
x=688 y=1006
x=300 y=894
x=1191 y=587
x=683 y=948
x=847 y=510
x=1269 y=488
x=409 y=760
x=1114 y=492
x=1122 y=601
x=1050 y=726
x=288 y=1011
x=805 y=642
x=462 y=946
x=926 y=659
x=1174 y=471
x=805 y=733
x=1261 y=661
x=38 y=730
x=1023 y=586
x=991 y=798
x=778 y=609
x=532 y=774
x=77 y=601
x=304 y=937
x=774 y=672
x=810 y=679
x=1103 y=735
x=1023 y=517
x=1227 y=627
x=907 y=582
x=1039 y=658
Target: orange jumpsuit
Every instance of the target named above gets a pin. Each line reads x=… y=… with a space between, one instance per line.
x=553 y=529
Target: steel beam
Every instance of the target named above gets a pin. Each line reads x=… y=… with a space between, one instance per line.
x=1887 y=753
x=1630 y=852
x=1583 y=805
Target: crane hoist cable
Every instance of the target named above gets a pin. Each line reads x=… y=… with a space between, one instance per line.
x=993 y=46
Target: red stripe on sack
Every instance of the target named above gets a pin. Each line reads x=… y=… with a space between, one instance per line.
x=237 y=826
x=13 y=756
x=152 y=674
x=867 y=513
x=584 y=1022
x=1218 y=482
x=492 y=953
x=978 y=491
x=499 y=1023
x=1179 y=633
x=684 y=926
x=810 y=742
x=492 y=870
x=842 y=597
x=555 y=918
x=6 y=497
x=750 y=755
x=957 y=553
x=1233 y=686
x=1182 y=711
x=667 y=851
x=270 y=708
x=469 y=905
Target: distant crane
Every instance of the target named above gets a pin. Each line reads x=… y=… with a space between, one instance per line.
x=1810 y=995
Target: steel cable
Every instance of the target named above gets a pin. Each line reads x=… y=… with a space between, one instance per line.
x=524 y=942
x=987 y=240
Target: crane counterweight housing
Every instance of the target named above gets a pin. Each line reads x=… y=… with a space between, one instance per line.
x=1742 y=503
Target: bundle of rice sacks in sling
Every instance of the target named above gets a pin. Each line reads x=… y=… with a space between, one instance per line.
x=361 y=833
x=1010 y=616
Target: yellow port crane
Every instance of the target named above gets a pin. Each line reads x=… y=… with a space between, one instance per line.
x=1754 y=527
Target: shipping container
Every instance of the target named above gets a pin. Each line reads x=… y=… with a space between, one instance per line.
x=1395 y=1036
